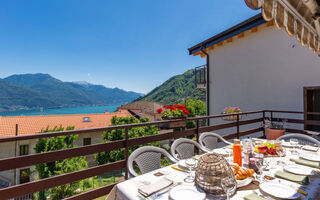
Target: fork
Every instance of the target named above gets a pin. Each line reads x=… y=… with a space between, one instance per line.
x=263 y=196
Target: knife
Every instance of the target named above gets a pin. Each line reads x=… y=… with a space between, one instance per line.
x=177 y=168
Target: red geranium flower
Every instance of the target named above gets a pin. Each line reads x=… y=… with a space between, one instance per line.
x=172 y=108
x=159 y=110
x=186 y=111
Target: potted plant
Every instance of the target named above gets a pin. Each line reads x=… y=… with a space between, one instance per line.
x=174 y=112
x=273 y=129
x=231 y=110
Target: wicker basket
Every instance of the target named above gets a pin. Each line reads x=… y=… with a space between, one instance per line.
x=210 y=170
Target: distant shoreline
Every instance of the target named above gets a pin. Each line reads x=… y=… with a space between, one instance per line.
x=93 y=109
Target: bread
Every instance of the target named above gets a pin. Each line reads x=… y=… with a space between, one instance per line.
x=235 y=167
x=241 y=172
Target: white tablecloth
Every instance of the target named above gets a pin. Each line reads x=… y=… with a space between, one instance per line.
x=129 y=189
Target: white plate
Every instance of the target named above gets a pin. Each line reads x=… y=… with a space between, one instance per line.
x=222 y=152
x=279 y=190
x=310 y=156
x=244 y=182
x=183 y=192
x=297 y=169
x=286 y=144
x=310 y=148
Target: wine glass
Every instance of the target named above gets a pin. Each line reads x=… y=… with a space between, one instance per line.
x=229 y=151
x=300 y=149
x=259 y=163
x=294 y=143
x=191 y=164
x=281 y=151
x=228 y=185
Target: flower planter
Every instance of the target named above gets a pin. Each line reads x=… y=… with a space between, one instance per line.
x=178 y=124
x=273 y=134
x=231 y=117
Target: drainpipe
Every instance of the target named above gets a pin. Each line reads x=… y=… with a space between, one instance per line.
x=208 y=83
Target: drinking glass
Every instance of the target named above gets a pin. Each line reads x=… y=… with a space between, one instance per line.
x=191 y=164
x=281 y=152
x=300 y=149
x=228 y=185
x=259 y=165
x=294 y=142
x=229 y=151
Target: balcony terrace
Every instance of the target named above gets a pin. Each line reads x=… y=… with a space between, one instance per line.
x=246 y=124
x=200 y=76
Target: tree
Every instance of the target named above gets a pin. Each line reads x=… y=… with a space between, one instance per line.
x=113 y=135
x=46 y=170
x=196 y=107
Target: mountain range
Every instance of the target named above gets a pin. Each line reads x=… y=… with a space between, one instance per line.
x=175 y=90
x=30 y=91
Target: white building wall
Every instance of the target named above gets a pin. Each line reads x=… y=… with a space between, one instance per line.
x=263 y=70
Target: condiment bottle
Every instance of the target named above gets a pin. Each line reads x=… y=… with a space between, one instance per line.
x=237 y=154
x=248 y=152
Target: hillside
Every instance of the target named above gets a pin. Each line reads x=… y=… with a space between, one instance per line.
x=43 y=90
x=19 y=97
x=175 y=89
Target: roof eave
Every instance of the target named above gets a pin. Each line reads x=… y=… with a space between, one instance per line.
x=235 y=30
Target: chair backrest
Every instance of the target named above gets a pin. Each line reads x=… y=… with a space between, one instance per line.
x=303 y=139
x=147 y=158
x=210 y=140
x=183 y=148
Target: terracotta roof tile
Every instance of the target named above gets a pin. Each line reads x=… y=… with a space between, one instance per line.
x=143 y=106
x=34 y=124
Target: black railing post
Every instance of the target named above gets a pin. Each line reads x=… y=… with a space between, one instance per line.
x=271 y=116
x=263 y=117
x=127 y=152
x=238 y=127
x=197 y=131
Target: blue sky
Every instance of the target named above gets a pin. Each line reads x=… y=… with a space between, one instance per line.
x=131 y=44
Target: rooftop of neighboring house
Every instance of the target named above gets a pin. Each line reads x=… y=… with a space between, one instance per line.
x=144 y=107
x=34 y=124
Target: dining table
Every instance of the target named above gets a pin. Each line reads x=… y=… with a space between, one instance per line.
x=129 y=189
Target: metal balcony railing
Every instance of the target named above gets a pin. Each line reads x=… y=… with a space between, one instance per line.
x=240 y=129
x=201 y=76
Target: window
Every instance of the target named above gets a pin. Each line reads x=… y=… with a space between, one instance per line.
x=311 y=104
x=86 y=141
x=86 y=119
x=24 y=175
x=24 y=150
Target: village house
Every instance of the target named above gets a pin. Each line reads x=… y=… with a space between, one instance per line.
x=143 y=109
x=256 y=66
x=27 y=125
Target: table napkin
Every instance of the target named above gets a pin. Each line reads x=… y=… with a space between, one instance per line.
x=253 y=196
x=148 y=190
x=252 y=186
x=310 y=148
x=308 y=163
x=293 y=177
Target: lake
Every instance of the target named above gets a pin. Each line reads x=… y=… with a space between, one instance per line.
x=63 y=111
